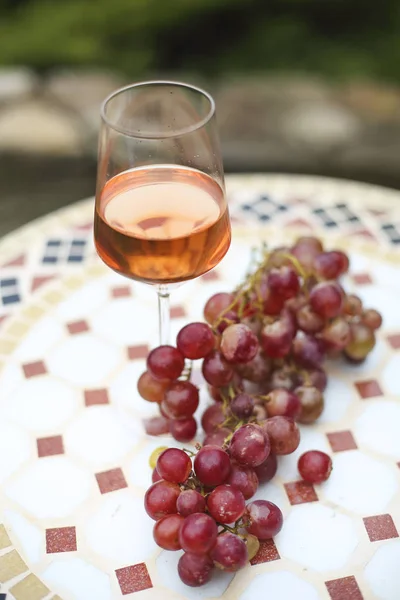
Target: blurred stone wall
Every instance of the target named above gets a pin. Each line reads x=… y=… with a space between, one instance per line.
x=48 y=133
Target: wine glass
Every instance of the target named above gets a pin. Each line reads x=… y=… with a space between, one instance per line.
x=161 y=215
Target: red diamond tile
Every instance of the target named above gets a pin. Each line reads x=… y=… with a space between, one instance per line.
x=362 y=278
x=177 y=312
x=34 y=368
x=123 y=291
x=300 y=492
x=140 y=351
x=345 y=588
x=61 y=539
x=266 y=553
x=299 y=223
x=369 y=388
x=133 y=579
x=93 y=397
x=77 y=327
x=341 y=440
x=110 y=481
x=394 y=341
x=18 y=261
x=50 y=446
x=380 y=527
x=37 y=282
x=211 y=276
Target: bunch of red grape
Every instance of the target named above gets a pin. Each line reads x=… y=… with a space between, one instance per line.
x=263 y=349
x=201 y=507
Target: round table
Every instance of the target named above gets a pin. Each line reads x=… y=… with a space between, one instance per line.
x=73 y=455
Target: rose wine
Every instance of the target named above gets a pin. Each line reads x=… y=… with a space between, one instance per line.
x=162 y=224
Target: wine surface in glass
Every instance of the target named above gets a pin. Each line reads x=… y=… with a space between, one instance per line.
x=162 y=224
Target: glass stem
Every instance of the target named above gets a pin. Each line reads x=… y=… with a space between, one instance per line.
x=163 y=314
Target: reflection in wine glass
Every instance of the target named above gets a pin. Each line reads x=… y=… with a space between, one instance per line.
x=161 y=215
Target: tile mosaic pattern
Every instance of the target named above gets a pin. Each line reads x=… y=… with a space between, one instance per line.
x=71 y=415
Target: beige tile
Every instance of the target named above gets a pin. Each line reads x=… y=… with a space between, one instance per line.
x=54 y=296
x=56 y=598
x=7 y=346
x=30 y=588
x=96 y=270
x=11 y=565
x=33 y=312
x=18 y=328
x=5 y=541
x=73 y=282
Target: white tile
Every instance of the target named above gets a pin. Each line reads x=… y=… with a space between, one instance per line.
x=126 y=321
x=120 y=530
x=15 y=448
x=124 y=394
x=349 y=484
x=40 y=339
x=167 y=569
x=338 y=396
x=382 y=572
x=390 y=375
x=281 y=585
x=10 y=379
x=384 y=274
x=84 y=302
x=99 y=438
x=384 y=299
x=41 y=404
x=50 y=488
x=317 y=537
x=378 y=427
x=30 y=538
x=84 y=360
x=77 y=578
x=310 y=439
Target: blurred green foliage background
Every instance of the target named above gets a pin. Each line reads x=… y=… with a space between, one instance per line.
x=337 y=38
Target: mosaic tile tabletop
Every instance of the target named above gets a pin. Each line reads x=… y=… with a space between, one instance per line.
x=74 y=458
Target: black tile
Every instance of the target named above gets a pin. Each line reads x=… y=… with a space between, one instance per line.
x=54 y=243
x=8 y=282
x=264 y=217
x=50 y=259
x=73 y=258
x=247 y=207
x=79 y=242
x=11 y=299
x=3 y=596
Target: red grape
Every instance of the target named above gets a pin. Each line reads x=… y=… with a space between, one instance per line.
x=312 y=403
x=151 y=389
x=284 y=282
x=174 y=465
x=242 y=405
x=215 y=305
x=308 y=320
x=326 y=299
x=257 y=369
x=238 y=343
x=272 y=304
x=229 y=552
x=282 y=402
x=155 y=476
x=266 y=519
x=314 y=377
x=160 y=499
x=307 y=351
x=183 y=430
x=165 y=363
x=285 y=377
x=314 y=466
x=330 y=265
x=198 y=533
x=226 y=503
x=245 y=479
x=276 y=338
x=283 y=433
x=212 y=417
x=190 y=502
x=306 y=249
x=166 y=532
x=352 y=305
x=267 y=470
x=195 y=340
x=181 y=400
x=217 y=437
x=361 y=343
x=212 y=465
x=337 y=334
x=249 y=445
x=156 y=425
x=371 y=318
x=195 y=569
x=216 y=370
